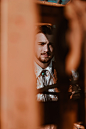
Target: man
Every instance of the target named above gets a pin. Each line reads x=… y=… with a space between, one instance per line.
x=45 y=73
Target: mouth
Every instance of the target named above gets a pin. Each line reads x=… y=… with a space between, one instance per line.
x=45 y=55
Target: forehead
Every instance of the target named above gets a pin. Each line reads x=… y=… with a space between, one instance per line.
x=40 y=37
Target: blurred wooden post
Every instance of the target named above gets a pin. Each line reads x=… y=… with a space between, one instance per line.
x=85 y=79
x=18 y=94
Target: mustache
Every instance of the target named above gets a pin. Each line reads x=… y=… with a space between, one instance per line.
x=46 y=53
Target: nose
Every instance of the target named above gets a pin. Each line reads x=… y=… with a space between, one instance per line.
x=46 y=48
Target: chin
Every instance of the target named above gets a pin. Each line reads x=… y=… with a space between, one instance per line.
x=45 y=60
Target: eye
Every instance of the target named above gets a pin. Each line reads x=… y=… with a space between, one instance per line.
x=42 y=43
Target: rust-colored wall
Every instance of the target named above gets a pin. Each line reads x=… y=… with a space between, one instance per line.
x=18 y=94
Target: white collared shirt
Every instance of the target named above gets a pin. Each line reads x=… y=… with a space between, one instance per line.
x=49 y=78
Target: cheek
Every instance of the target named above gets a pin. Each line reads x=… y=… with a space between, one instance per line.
x=37 y=50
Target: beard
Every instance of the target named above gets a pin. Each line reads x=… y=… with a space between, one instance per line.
x=45 y=59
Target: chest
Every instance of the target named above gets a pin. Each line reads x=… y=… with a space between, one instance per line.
x=49 y=81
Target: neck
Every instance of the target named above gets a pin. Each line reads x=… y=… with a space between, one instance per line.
x=42 y=65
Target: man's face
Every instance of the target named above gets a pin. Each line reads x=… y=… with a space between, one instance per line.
x=43 y=48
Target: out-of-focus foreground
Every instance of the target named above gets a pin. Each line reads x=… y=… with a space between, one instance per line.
x=18 y=104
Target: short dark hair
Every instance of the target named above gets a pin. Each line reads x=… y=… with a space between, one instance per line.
x=45 y=29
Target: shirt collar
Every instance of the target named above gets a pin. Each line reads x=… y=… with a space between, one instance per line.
x=38 y=69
